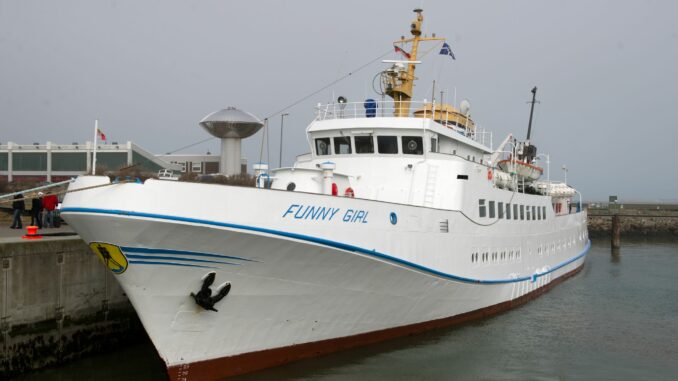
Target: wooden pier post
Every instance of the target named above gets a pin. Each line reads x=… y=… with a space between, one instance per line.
x=616 y=232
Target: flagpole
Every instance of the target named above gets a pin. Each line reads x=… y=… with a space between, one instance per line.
x=94 y=156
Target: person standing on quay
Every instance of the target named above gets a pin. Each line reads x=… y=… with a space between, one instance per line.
x=36 y=210
x=49 y=202
x=18 y=206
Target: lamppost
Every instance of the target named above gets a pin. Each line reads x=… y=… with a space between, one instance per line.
x=548 y=165
x=565 y=170
x=282 y=120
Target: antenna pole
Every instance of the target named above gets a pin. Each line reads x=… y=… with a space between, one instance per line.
x=529 y=125
x=282 y=119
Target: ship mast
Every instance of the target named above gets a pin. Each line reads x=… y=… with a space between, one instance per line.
x=400 y=81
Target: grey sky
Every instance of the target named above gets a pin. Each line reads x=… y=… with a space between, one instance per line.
x=607 y=73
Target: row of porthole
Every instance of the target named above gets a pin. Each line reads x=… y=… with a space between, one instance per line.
x=495 y=256
x=504 y=255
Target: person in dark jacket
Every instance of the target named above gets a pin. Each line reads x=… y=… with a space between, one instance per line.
x=36 y=211
x=18 y=206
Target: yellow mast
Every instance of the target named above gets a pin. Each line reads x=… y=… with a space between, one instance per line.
x=400 y=82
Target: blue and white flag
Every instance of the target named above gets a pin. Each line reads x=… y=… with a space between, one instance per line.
x=446 y=50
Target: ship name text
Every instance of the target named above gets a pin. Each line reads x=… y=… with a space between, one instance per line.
x=325 y=213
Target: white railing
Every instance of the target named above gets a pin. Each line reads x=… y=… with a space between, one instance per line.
x=354 y=110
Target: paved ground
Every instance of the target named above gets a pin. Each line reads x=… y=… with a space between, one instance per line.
x=12 y=235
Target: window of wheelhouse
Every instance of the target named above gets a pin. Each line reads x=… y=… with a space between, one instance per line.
x=363 y=144
x=322 y=147
x=387 y=144
x=412 y=145
x=342 y=145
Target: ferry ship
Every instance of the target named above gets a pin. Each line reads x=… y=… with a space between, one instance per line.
x=399 y=220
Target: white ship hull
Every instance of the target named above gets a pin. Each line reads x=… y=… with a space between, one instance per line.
x=310 y=273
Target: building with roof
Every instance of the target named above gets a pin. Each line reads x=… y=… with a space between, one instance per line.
x=54 y=162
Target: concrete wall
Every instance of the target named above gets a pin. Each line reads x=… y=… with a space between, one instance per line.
x=58 y=302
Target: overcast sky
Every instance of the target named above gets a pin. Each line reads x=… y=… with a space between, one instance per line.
x=607 y=73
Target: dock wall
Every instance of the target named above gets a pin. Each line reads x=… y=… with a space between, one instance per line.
x=57 y=303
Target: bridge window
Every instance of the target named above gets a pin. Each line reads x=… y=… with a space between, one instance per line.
x=529 y=216
x=364 y=144
x=412 y=145
x=508 y=211
x=522 y=212
x=387 y=144
x=491 y=209
x=342 y=145
x=322 y=146
x=500 y=209
x=482 y=211
x=543 y=211
x=515 y=211
x=534 y=213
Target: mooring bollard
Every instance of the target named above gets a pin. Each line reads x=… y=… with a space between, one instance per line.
x=616 y=232
x=31 y=233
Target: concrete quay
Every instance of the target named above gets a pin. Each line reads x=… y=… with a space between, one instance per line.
x=57 y=303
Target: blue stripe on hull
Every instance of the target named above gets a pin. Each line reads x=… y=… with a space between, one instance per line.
x=169 y=264
x=144 y=250
x=164 y=258
x=329 y=243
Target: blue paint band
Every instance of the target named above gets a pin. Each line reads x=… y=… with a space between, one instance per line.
x=144 y=250
x=168 y=264
x=163 y=258
x=325 y=242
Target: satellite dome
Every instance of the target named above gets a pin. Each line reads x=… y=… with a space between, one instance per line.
x=231 y=123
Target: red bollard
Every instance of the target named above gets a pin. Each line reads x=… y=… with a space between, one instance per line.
x=31 y=233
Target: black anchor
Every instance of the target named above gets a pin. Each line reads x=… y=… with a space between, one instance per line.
x=204 y=297
x=108 y=258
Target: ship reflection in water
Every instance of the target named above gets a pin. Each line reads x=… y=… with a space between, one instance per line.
x=614 y=320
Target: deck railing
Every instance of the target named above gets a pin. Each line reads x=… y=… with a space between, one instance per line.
x=386 y=109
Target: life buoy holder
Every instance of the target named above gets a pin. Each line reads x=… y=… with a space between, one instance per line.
x=489 y=174
x=349 y=192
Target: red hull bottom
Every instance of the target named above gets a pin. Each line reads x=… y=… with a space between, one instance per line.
x=216 y=369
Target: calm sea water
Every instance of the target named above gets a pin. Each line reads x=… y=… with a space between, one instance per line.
x=616 y=319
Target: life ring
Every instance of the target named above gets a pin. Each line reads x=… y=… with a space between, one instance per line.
x=349 y=192
x=335 y=189
x=489 y=174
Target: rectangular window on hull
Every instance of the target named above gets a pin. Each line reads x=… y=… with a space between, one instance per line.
x=322 y=147
x=508 y=211
x=500 y=210
x=342 y=145
x=534 y=213
x=492 y=215
x=543 y=211
x=482 y=211
x=387 y=144
x=522 y=212
x=364 y=144
x=529 y=216
x=515 y=211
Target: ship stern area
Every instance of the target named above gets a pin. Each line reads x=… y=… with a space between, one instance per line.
x=288 y=295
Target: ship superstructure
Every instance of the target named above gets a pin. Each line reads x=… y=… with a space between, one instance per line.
x=401 y=218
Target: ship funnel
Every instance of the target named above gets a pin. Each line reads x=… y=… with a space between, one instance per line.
x=231 y=125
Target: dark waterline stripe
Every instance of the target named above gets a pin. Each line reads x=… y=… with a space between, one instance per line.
x=326 y=242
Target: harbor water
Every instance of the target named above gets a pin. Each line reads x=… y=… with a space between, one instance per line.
x=616 y=319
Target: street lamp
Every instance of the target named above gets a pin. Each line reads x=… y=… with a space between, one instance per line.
x=565 y=170
x=282 y=119
x=548 y=165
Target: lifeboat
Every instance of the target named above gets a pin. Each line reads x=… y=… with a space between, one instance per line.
x=524 y=170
